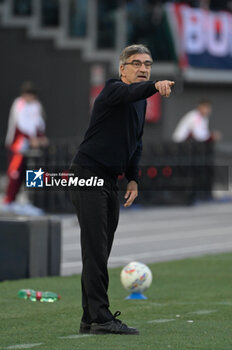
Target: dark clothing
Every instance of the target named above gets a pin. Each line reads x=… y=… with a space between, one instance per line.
x=98 y=213
x=112 y=145
x=114 y=137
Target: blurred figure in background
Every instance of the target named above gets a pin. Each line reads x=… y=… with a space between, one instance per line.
x=195 y=125
x=26 y=129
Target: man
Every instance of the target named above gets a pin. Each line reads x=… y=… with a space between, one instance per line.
x=26 y=128
x=112 y=145
x=195 y=125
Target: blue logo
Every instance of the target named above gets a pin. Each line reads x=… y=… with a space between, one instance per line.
x=34 y=178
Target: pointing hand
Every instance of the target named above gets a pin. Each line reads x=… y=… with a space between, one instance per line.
x=164 y=87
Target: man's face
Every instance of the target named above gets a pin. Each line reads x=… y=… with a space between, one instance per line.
x=136 y=69
x=29 y=97
x=205 y=110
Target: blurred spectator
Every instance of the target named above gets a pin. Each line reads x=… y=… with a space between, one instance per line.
x=26 y=129
x=195 y=125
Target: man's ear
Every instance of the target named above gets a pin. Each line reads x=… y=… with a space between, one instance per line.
x=122 y=70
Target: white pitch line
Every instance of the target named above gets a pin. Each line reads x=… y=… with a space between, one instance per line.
x=202 y=312
x=228 y=303
x=23 y=346
x=161 y=237
x=162 y=320
x=75 y=336
x=199 y=312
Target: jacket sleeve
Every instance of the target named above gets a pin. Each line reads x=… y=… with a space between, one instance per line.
x=119 y=92
x=132 y=171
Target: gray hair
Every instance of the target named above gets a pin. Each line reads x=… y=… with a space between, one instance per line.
x=130 y=51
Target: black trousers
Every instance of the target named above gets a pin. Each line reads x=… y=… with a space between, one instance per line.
x=97 y=210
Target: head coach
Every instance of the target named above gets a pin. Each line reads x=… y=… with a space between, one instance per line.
x=112 y=145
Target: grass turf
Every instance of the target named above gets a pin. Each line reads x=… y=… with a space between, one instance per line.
x=198 y=290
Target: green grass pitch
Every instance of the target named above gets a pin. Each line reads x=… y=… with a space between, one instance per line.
x=198 y=290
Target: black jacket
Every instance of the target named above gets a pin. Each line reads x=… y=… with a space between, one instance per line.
x=114 y=137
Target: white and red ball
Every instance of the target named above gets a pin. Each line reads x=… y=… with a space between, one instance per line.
x=136 y=277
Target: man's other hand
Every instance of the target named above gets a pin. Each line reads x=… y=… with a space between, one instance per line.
x=131 y=193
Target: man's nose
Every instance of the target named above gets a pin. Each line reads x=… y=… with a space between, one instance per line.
x=143 y=68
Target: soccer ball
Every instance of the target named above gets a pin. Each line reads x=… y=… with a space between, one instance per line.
x=136 y=277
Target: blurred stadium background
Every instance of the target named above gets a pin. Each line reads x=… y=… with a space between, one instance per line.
x=70 y=47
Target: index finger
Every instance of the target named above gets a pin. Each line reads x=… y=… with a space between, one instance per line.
x=128 y=203
x=130 y=199
x=171 y=83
